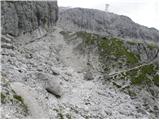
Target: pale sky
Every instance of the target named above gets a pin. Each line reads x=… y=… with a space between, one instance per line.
x=144 y=12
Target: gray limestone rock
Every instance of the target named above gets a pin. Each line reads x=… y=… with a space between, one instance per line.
x=100 y=22
x=88 y=75
x=5 y=39
x=55 y=71
x=25 y=16
x=52 y=83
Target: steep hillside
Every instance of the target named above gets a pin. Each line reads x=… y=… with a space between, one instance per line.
x=87 y=89
x=108 y=24
x=131 y=67
x=63 y=71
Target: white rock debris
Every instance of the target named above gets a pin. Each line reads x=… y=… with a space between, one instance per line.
x=53 y=56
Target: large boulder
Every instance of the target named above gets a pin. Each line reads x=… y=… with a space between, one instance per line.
x=52 y=83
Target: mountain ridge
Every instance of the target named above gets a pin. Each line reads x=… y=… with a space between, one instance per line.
x=109 y=24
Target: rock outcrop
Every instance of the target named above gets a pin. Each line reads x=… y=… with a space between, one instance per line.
x=110 y=24
x=25 y=16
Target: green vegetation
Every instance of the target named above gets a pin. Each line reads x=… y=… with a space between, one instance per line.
x=60 y=115
x=141 y=75
x=109 y=47
x=114 y=46
x=156 y=80
x=19 y=98
x=111 y=50
x=88 y=39
x=8 y=95
x=131 y=93
x=2 y=98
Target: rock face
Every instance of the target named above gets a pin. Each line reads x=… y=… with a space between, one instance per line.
x=78 y=19
x=26 y=16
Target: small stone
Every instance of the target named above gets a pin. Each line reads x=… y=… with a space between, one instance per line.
x=55 y=71
x=5 y=39
x=66 y=78
x=88 y=76
x=7 y=46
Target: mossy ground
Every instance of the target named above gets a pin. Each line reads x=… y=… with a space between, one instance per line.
x=114 y=46
x=145 y=75
x=8 y=95
x=19 y=98
x=109 y=46
x=2 y=98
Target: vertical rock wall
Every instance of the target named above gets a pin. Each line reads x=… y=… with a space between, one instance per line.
x=26 y=16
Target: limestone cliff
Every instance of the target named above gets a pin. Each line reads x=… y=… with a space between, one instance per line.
x=26 y=16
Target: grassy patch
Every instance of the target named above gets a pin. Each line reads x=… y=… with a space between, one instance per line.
x=140 y=75
x=88 y=39
x=112 y=50
x=156 y=80
x=131 y=93
x=2 y=98
x=19 y=98
x=60 y=114
x=114 y=46
x=109 y=48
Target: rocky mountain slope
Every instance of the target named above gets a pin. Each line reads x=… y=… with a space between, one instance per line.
x=51 y=72
x=110 y=24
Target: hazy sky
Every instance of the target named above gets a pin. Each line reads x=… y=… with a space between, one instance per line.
x=144 y=12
